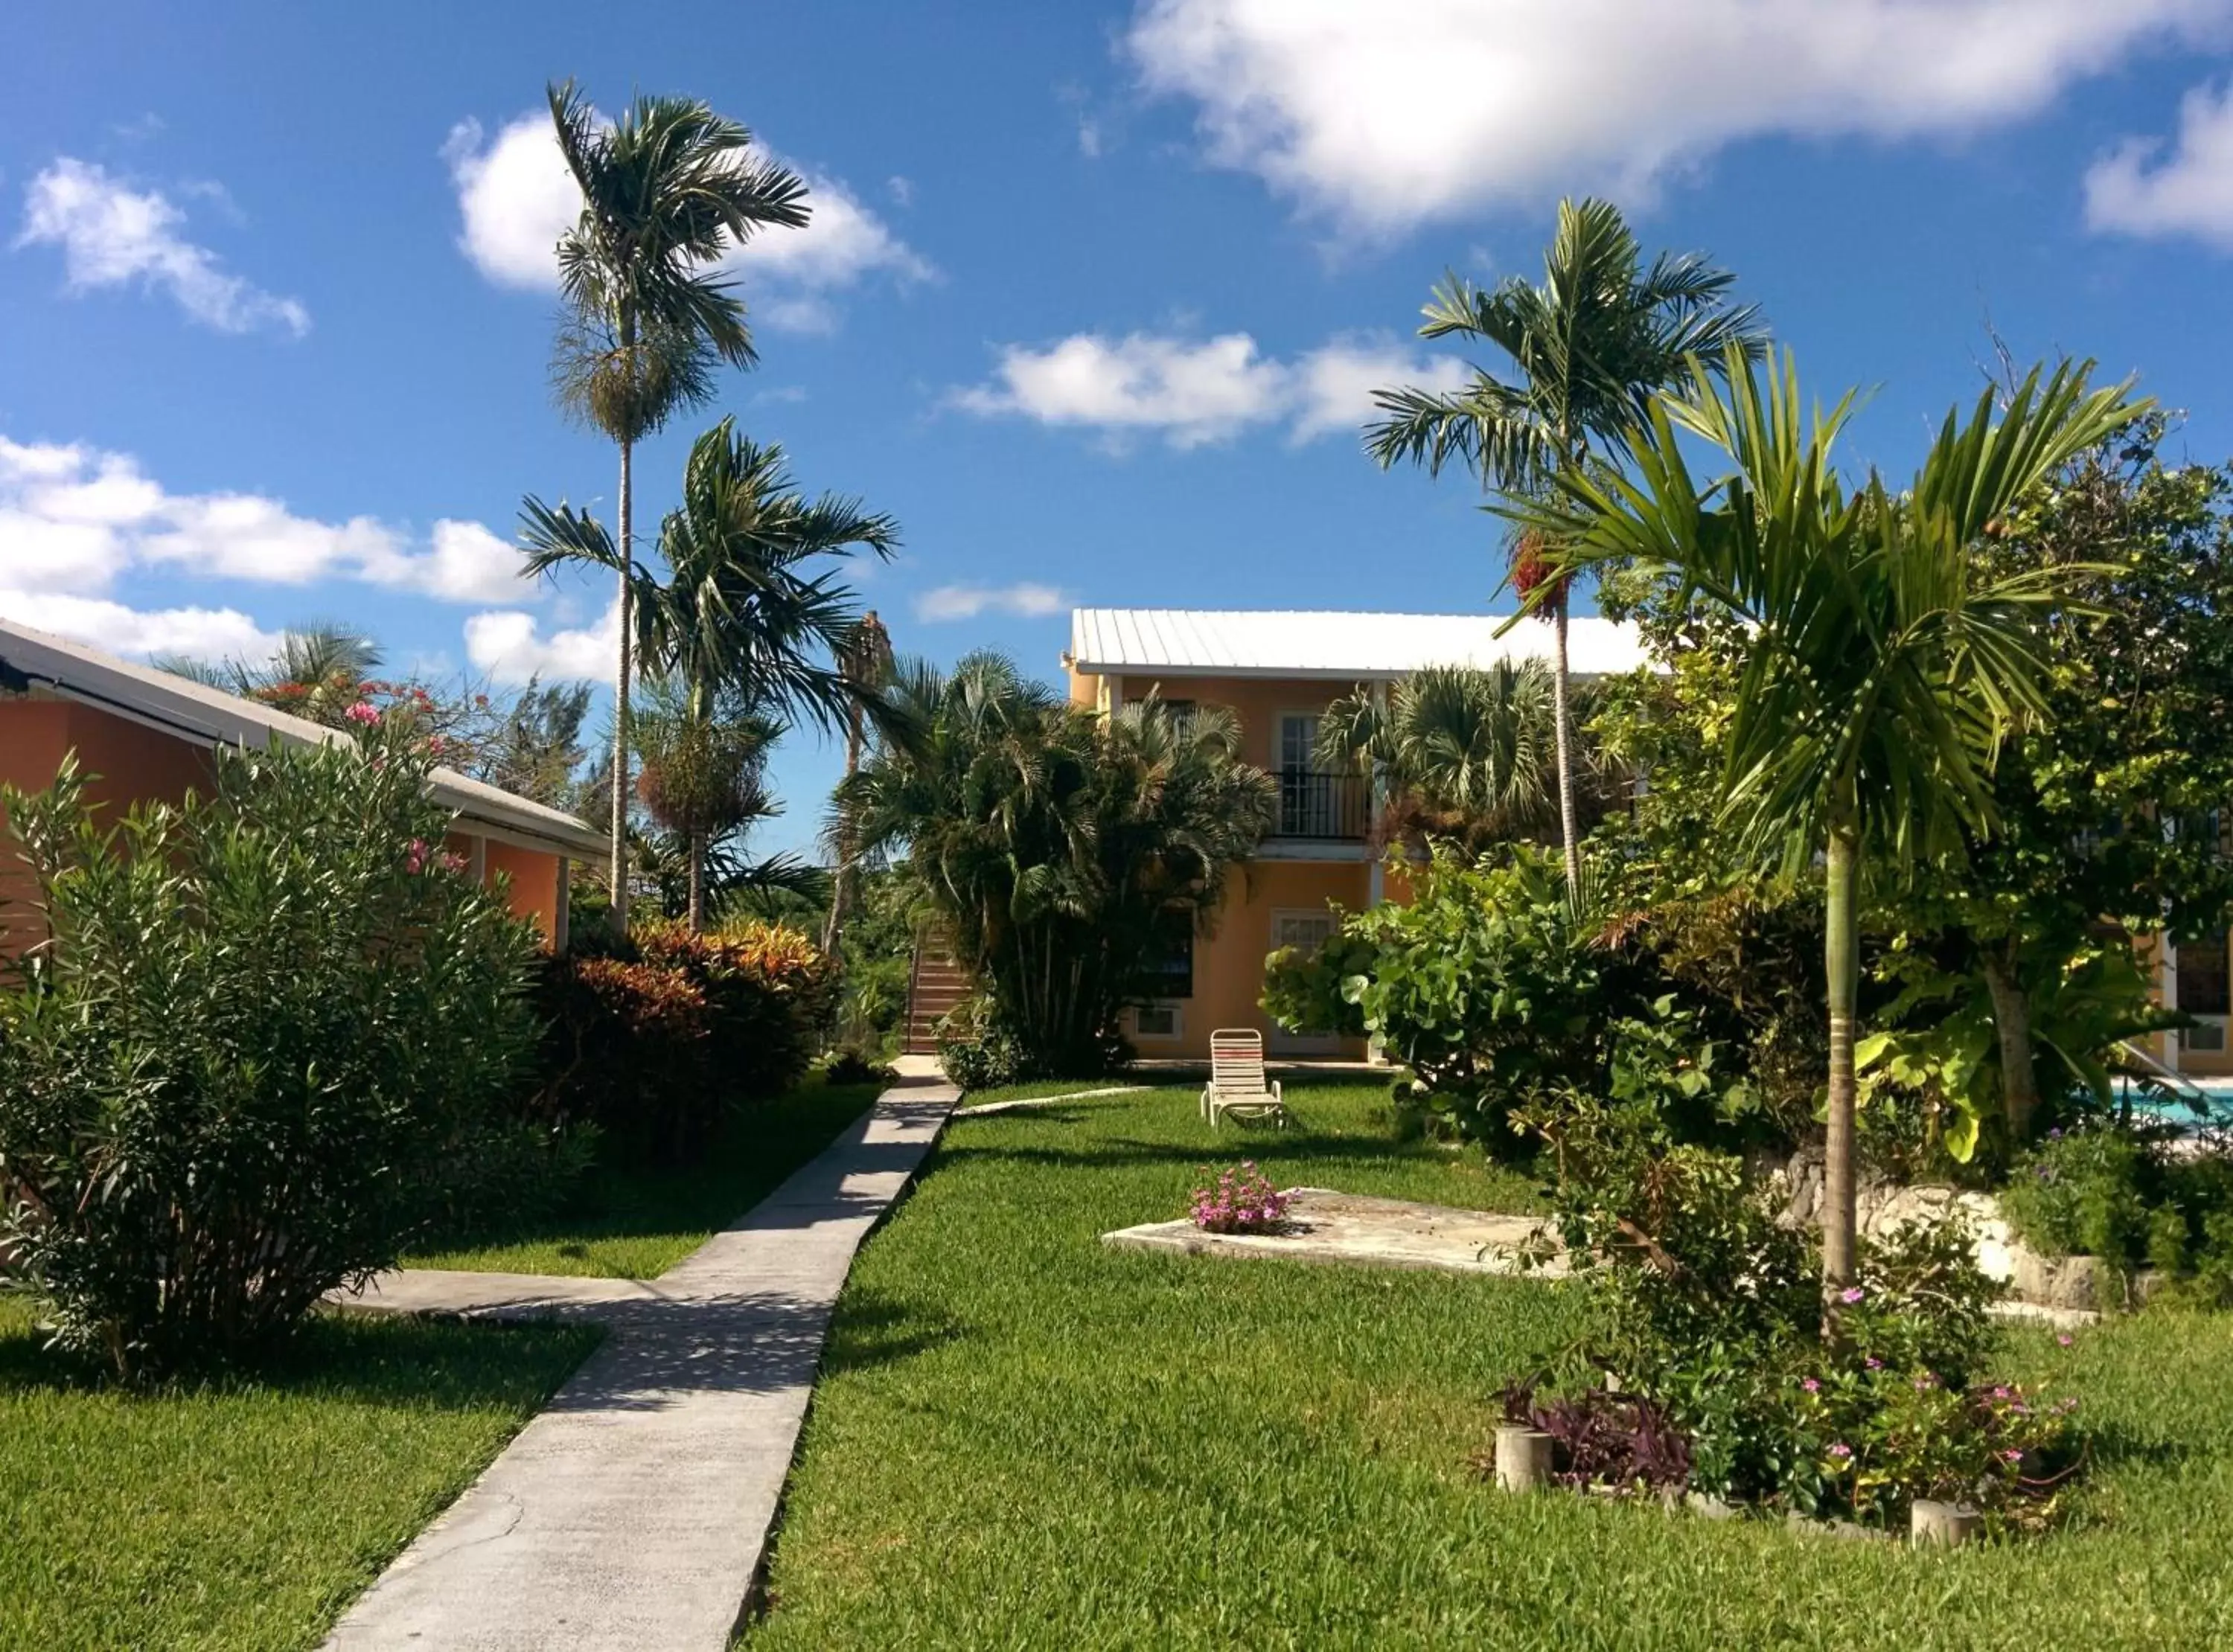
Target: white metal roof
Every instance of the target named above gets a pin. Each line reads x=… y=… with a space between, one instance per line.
x=208 y=716
x=1354 y=647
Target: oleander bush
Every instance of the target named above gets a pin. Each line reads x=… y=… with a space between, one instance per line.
x=262 y=1050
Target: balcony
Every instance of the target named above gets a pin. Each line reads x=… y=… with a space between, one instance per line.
x=1322 y=806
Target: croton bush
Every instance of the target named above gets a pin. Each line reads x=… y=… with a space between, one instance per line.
x=655 y=1042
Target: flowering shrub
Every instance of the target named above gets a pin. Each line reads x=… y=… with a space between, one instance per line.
x=1709 y=1325
x=1241 y=1201
x=260 y=1053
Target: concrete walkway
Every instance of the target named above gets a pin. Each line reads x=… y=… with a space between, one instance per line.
x=634 y=1510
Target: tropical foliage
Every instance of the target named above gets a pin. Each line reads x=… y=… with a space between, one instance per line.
x=1058 y=852
x=1591 y=345
x=1468 y=755
x=270 y=1037
x=1888 y=665
x=742 y=636
x=667 y=189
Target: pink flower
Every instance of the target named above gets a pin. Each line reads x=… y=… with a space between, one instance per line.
x=363 y=712
x=453 y=863
x=414 y=858
x=1851 y=1294
x=1841 y=1450
x=2065 y=1339
x=1812 y=1385
x=2012 y=1456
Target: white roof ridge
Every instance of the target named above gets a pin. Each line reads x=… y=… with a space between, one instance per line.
x=1331 y=642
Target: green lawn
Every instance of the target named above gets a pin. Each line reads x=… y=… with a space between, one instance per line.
x=635 y=1224
x=235 y=1516
x=1022 y=1438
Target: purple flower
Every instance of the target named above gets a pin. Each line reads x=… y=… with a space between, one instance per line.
x=1851 y=1294
x=1874 y=1363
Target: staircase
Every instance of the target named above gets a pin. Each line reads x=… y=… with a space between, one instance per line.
x=935 y=985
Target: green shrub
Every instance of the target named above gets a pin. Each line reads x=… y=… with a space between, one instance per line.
x=270 y=1026
x=1484 y=985
x=2083 y=1193
x=1709 y=1317
x=976 y=1051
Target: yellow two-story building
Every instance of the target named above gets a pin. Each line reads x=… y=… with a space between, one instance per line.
x=1277 y=673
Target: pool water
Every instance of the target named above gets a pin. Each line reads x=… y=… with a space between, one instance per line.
x=2213 y=1093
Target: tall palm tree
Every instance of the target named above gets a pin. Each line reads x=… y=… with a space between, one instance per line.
x=666 y=190
x=1466 y=752
x=1591 y=345
x=1888 y=660
x=738 y=621
x=866 y=661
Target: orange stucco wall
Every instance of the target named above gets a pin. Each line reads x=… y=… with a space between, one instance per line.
x=1228 y=963
x=130 y=763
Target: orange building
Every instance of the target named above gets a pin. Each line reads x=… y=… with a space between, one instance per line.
x=1277 y=673
x=145 y=735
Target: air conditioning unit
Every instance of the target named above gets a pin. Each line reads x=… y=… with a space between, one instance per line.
x=1156 y=1021
x=2208 y=1038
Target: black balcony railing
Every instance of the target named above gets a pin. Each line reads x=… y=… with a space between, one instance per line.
x=1327 y=806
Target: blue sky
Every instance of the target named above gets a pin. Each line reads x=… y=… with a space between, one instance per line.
x=1091 y=301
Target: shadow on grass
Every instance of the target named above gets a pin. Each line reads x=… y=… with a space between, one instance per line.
x=416 y=1365
x=760 y=1144
x=874 y=1327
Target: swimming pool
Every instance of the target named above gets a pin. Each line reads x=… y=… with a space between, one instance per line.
x=2214 y=1095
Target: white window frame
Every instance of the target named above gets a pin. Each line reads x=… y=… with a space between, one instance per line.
x=1177 y=1008
x=1279 y=1041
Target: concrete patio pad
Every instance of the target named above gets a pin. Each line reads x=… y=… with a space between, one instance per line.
x=1323 y=1226
x=634 y=1510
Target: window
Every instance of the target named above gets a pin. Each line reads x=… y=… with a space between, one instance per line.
x=1156 y=1021
x=1169 y=971
x=1181 y=712
x=2204 y=985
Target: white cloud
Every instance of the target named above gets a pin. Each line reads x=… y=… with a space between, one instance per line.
x=112 y=236
x=75 y=519
x=1025 y=599
x=510 y=647
x=201 y=634
x=516 y=199
x=1382 y=116
x=1196 y=391
x=2137 y=190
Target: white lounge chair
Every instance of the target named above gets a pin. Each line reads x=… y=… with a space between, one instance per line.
x=1236 y=1079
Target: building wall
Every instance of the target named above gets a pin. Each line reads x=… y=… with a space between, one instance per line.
x=128 y=763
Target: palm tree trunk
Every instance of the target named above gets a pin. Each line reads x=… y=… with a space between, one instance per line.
x=1842 y=955
x=697 y=882
x=841 y=896
x=2012 y=1024
x=621 y=679
x=1563 y=726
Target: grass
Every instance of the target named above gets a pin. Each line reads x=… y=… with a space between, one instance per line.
x=632 y=1223
x=1023 y=1439
x=241 y=1515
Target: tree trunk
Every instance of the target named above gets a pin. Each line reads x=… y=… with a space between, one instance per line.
x=697 y=882
x=2012 y=1023
x=1563 y=723
x=1843 y=958
x=620 y=681
x=841 y=896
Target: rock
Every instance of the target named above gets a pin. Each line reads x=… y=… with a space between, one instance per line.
x=1948 y=1525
